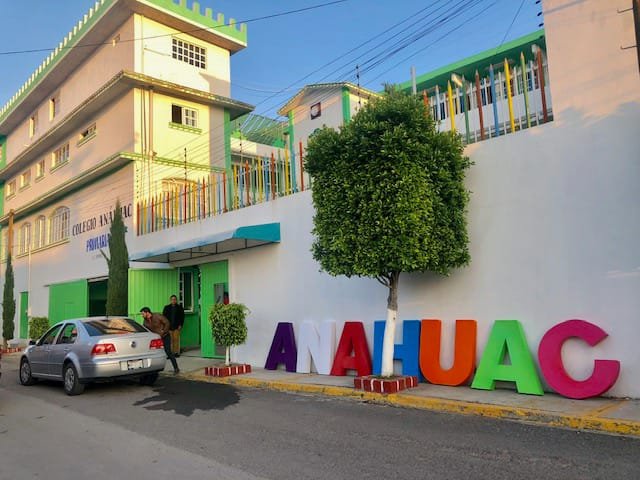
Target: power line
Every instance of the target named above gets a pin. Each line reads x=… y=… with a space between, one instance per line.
x=86 y=45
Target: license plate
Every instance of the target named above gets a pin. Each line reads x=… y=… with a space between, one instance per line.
x=134 y=364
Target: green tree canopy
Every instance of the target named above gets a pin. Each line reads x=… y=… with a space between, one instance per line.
x=389 y=194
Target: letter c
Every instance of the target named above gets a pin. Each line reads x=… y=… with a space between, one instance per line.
x=605 y=372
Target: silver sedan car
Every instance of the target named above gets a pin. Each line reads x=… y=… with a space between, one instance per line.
x=80 y=351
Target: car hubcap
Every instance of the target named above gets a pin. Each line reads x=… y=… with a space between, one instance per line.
x=25 y=372
x=69 y=379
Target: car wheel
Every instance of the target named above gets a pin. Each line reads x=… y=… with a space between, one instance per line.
x=25 y=373
x=72 y=385
x=149 y=379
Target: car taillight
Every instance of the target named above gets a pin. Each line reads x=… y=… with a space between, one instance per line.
x=156 y=343
x=103 y=348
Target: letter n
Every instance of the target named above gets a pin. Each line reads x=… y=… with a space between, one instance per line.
x=354 y=340
x=507 y=337
x=319 y=347
x=464 y=357
x=283 y=348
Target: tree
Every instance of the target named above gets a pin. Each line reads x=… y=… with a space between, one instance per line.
x=118 y=282
x=389 y=195
x=8 y=304
x=228 y=326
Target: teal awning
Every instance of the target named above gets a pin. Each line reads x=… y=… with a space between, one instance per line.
x=238 y=239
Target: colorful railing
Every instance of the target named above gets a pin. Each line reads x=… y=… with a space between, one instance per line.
x=255 y=181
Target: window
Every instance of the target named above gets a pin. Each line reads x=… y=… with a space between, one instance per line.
x=112 y=326
x=54 y=107
x=24 y=241
x=11 y=188
x=69 y=334
x=184 y=116
x=33 y=125
x=60 y=156
x=315 y=110
x=87 y=134
x=40 y=239
x=25 y=179
x=50 y=336
x=59 y=225
x=186 y=291
x=3 y=244
x=40 y=169
x=189 y=53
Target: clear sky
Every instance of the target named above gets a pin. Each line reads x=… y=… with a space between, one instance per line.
x=283 y=50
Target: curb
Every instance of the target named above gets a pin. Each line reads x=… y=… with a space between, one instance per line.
x=592 y=423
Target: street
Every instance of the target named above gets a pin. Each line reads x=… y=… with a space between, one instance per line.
x=182 y=429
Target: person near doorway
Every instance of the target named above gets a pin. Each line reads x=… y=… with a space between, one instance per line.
x=159 y=324
x=175 y=314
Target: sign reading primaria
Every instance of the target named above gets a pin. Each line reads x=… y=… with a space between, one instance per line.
x=420 y=354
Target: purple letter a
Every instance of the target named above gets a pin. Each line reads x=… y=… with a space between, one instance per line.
x=283 y=349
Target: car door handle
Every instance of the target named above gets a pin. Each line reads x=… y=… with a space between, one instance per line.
x=67 y=349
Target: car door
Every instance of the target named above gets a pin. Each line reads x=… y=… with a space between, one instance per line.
x=62 y=346
x=39 y=355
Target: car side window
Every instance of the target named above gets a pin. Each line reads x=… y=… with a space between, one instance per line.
x=50 y=336
x=68 y=335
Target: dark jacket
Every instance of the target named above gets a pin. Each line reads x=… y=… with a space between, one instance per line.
x=157 y=324
x=175 y=315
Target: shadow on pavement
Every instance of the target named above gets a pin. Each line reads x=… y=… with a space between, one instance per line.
x=184 y=398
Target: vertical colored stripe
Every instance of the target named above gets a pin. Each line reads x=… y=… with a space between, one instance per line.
x=507 y=78
x=492 y=79
x=543 y=94
x=465 y=106
x=292 y=152
x=452 y=113
x=525 y=89
x=227 y=154
x=346 y=105
x=479 y=102
x=301 y=169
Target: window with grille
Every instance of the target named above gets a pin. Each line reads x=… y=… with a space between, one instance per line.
x=40 y=237
x=59 y=225
x=186 y=291
x=189 y=53
x=24 y=241
x=60 y=156
x=184 y=116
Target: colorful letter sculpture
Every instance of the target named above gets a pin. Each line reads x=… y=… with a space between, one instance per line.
x=464 y=357
x=319 y=347
x=283 y=348
x=507 y=336
x=407 y=351
x=605 y=372
x=354 y=340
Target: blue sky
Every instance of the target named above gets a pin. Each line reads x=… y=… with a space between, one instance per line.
x=283 y=50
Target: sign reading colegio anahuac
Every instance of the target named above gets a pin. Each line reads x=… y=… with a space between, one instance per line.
x=99 y=221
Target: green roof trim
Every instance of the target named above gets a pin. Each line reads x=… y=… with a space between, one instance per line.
x=481 y=61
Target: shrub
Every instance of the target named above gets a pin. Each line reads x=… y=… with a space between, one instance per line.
x=228 y=325
x=37 y=327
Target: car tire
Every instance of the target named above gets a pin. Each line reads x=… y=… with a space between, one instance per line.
x=25 y=373
x=149 y=379
x=72 y=385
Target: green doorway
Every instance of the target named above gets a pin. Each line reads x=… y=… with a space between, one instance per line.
x=214 y=287
x=97 y=297
x=24 y=315
x=189 y=298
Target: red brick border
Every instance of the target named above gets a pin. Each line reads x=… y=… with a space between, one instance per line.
x=11 y=350
x=227 y=371
x=372 y=383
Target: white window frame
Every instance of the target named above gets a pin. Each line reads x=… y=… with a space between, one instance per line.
x=54 y=106
x=188 y=116
x=33 y=125
x=189 y=53
x=59 y=225
x=11 y=189
x=40 y=169
x=25 y=179
x=60 y=156
x=40 y=232
x=24 y=243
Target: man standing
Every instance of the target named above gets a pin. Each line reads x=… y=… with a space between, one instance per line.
x=159 y=324
x=175 y=314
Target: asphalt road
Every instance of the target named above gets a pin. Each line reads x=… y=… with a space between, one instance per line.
x=183 y=430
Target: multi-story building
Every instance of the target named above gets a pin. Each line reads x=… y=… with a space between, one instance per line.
x=551 y=125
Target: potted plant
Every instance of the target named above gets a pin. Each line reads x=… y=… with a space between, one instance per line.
x=229 y=328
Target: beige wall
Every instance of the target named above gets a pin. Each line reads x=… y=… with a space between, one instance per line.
x=153 y=57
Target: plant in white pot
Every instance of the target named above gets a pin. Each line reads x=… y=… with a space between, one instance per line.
x=228 y=326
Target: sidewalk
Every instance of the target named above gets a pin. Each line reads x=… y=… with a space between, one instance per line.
x=609 y=415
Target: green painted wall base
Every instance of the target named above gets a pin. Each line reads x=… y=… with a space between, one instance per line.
x=211 y=274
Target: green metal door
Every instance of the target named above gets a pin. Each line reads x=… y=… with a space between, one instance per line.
x=68 y=300
x=214 y=277
x=190 y=299
x=24 y=315
x=151 y=288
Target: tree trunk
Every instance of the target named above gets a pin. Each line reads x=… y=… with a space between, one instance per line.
x=390 y=326
x=227 y=356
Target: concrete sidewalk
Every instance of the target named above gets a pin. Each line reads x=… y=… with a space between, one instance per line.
x=610 y=415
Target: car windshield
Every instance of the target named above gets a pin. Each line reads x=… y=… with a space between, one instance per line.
x=112 y=326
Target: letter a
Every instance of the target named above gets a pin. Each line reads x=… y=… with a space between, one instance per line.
x=353 y=340
x=283 y=348
x=507 y=336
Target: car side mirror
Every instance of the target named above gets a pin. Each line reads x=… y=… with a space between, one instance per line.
x=32 y=342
